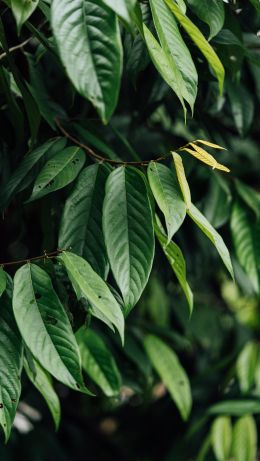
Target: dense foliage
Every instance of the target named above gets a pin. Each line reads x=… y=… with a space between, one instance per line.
x=130 y=252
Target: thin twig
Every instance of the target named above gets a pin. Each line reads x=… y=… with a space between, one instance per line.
x=16 y=47
x=50 y=255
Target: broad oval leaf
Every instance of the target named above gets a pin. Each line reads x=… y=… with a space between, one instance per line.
x=247 y=364
x=11 y=361
x=244 y=446
x=98 y=362
x=58 y=172
x=221 y=437
x=3 y=281
x=81 y=222
x=45 y=327
x=88 y=37
x=128 y=232
x=42 y=380
x=88 y=284
x=211 y=12
x=167 y=195
x=167 y=365
x=22 y=10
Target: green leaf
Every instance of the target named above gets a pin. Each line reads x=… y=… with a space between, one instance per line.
x=175 y=48
x=26 y=169
x=177 y=262
x=2 y=281
x=256 y=4
x=211 y=12
x=221 y=437
x=45 y=327
x=183 y=183
x=128 y=232
x=11 y=361
x=58 y=172
x=165 y=66
x=22 y=10
x=249 y=196
x=244 y=446
x=98 y=362
x=87 y=283
x=246 y=366
x=242 y=106
x=212 y=235
x=167 y=365
x=81 y=222
x=167 y=195
x=235 y=407
x=200 y=41
x=91 y=51
x=245 y=242
x=41 y=379
x=217 y=203
x=123 y=8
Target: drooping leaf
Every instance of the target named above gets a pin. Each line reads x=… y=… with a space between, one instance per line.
x=209 y=144
x=173 y=44
x=98 y=362
x=183 y=183
x=58 y=172
x=245 y=242
x=177 y=262
x=45 y=327
x=167 y=365
x=22 y=10
x=211 y=12
x=204 y=157
x=81 y=222
x=88 y=284
x=200 y=41
x=3 y=281
x=244 y=444
x=128 y=231
x=41 y=379
x=91 y=51
x=242 y=106
x=246 y=365
x=123 y=8
x=221 y=437
x=212 y=235
x=167 y=195
x=11 y=361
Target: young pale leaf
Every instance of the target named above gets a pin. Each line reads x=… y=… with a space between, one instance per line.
x=128 y=231
x=41 y=379
x=211 y=12
x=213 y=236
x=91 y=51
x=167 y=195
x=172 y=43
x=45 y=326
x=177 y=262
x=244 y=444
x=204 y=157
x=2 y=281
x=209 y=144
x=221 y=437
x=98 y=362
x=200 y=41
x=88 y=284
x=11 y=361
x=246 y=365
x=22 y=10
x=81 y=222
x=182 y=179
x=167 y=365
x=58 y=172
x=245 y=242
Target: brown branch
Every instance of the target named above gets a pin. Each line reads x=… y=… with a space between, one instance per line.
x=16 y=47
x=50 y=255
x=98 y=157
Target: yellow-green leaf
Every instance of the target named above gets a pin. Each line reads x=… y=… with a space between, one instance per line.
x=204 y=157
x=182 y=179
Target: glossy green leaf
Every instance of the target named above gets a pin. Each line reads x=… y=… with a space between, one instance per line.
x=90 y=49
x=242 y=106
x=2 y=281
x=41 y=379
x=98 y=362
x=211 y=12
x=167 y=194
x=177 y=262
x=245 y=242
x=217 y=203
x=128 y=231
x=235 y=407
x=22 y=10
x=244 y=445
x=174 y=377
x=45 y=327
x=81 y=221
x=246 y=365
x=175 y=48
x=88 y=284
x=200 y=41
x=123 y=8
x=11 y=361
x=212 y=235
x=58 y=172
x=221 y=438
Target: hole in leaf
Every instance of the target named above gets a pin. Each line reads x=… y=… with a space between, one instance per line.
x=1 y=405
